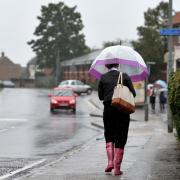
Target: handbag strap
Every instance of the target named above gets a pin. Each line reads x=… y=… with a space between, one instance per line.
x=120 y=78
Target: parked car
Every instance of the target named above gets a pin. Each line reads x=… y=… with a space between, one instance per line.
x=63 y=98
x=1 y=84
x=78 y=86
x=8 y=84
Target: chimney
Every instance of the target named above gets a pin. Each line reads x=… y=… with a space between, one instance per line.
x=2 y=54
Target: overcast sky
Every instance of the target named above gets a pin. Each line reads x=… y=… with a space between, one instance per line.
x=104 y=20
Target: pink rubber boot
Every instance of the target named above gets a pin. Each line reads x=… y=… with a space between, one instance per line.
x=110 y=156
x=118 y=156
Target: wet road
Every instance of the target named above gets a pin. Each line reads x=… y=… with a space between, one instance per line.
x=28 y=131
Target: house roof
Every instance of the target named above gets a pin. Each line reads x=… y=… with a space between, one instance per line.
x=176 y=19
x=5 y=60
x=8 y=69
x=85 y=59
x=33 y=61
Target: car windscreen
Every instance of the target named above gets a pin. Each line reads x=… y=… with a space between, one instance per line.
x=80 y=83
x=64 y=83
x=63 y=92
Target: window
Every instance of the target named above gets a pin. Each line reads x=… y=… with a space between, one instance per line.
x=80 y=83
x=62 y=92
x=178 y=63
x=73 y=83
x=64 y=83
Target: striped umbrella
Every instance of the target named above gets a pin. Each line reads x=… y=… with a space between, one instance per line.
x=129 y=60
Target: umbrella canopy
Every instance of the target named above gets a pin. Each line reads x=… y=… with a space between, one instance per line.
x=129 y=60
x=160 y=84
x=163 y=90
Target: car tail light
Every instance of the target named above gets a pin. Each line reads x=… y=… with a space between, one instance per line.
x=72 y=101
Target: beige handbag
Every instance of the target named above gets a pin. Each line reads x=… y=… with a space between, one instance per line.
x=122 y=97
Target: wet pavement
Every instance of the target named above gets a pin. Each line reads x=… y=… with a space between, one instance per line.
x=151 y=153
x=30 y=135
x=28 y=129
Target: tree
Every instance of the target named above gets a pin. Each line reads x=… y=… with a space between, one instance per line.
x=59 y=31
x=109 y=43
x=125 y=42
x=150 y=44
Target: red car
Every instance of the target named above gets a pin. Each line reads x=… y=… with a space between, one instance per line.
x=63 y=98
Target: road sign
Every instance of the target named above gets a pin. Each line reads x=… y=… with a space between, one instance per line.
x=170 y=32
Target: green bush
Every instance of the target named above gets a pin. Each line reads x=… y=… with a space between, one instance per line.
x=174 y=99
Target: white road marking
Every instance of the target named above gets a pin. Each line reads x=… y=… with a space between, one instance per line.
x=12 y=127
x=89 y=103
x=3 y=130
x=13 y=119
x=22 y=169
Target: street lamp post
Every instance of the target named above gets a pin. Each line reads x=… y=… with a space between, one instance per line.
x=169 y=32
x=170 y=43
x=57 y=68
x=169 y=67
x=146 y=109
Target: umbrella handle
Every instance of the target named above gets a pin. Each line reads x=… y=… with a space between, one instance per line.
x=120 y=78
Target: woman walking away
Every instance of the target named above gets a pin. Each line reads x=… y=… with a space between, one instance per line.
x=152 y=100
x=116 y=122
x=162 y=101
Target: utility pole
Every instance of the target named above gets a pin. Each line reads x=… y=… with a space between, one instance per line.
x=169 y=67
x=170 y=32
x=146 y=108
x=57 y=68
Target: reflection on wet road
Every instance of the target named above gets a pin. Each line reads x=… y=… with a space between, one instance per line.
x=28 y=129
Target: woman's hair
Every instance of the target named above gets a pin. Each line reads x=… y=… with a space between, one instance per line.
x=109 y=66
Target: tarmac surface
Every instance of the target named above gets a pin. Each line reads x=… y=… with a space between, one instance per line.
x=151 y=153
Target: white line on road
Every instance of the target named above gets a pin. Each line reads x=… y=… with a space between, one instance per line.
x=14 y=119
x=90 y=104
x=3 y=130
x=22 y=169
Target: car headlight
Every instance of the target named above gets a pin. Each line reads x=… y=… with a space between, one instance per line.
x=54 y=101
x=72 y=101
x=88 y=87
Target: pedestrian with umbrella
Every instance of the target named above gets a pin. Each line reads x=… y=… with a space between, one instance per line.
x=116 y=121
x=160 y=84
x=162 y=99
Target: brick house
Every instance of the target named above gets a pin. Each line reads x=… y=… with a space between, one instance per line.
x=77 y=68
x=176 y=43
x=8 y=69
x=41 y=77
x=32 y=68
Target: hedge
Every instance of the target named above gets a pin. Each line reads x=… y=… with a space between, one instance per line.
x=174 y=99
